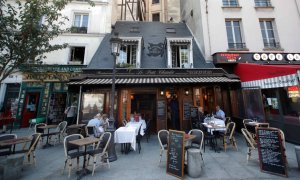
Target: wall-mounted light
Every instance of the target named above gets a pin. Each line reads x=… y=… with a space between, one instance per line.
x=161 y=92
x=186 y=92
x=131 y=97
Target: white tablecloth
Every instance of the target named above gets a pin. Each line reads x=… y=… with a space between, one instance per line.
x=215 y=121
x=137 y=126
x=128 y=134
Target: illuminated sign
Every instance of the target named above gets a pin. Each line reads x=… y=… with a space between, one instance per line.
x=231 y=57
x=293 y=91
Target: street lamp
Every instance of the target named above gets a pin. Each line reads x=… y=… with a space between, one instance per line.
x=115 y=51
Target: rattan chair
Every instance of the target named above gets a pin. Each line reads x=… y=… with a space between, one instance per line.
x=30 y=151
x=246 y=121
x=197 y=142
x=229 y=136
x=148 y=130
x=264 y=125
x=250 y=142
x=227 y=120
x=139 y=138
x=72 y=151
x=100 y=151
x=124 y=122
x=163 y=139
x=38 y=130
x=6 y=150
x=60 y=131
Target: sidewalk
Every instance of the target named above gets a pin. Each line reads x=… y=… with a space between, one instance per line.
x=145 y=166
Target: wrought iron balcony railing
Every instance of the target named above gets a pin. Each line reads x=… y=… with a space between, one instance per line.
x=81 y=30
x=263 y=3
x=272 y=45
x=237 y=45
x=231 y=3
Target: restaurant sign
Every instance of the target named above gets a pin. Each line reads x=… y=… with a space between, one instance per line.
x=158 y=72
x=293 y=91
x=259 y=58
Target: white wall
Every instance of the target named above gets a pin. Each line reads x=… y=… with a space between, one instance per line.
x=214 y=38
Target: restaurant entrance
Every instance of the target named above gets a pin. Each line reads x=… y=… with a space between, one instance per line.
x=145 y=105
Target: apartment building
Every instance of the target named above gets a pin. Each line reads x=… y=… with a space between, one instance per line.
x=258 y=40
x=146 y=10
x=45 y=94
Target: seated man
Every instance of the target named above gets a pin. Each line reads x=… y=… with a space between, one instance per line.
x=98 y=123
x=219 y=113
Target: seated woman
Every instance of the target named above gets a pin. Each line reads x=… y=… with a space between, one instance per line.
x=98 y=122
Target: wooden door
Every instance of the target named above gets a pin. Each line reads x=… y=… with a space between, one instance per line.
x=161 y=112
x=30 y=107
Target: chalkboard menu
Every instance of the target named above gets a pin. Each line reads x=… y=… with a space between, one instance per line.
x=186 y=111
x=161 y=108
x=271 y=152
x=175 y=162
x=194 y=112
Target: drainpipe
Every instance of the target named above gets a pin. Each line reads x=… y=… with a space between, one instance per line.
x=79 y=105
x=297 y=5
x=208 y=30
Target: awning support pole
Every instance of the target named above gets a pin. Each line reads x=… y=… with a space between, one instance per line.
x=79 y=105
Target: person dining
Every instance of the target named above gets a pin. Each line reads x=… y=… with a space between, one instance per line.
x=220 y=113
x=98 y=122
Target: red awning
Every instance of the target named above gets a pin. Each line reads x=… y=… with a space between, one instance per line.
x=267 y=76
x=252 y=72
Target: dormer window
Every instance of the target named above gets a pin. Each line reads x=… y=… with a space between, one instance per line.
x=180 y=54
x=129 y=54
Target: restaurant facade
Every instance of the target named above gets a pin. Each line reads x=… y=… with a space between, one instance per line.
x=270 y=88
x=160 y=74
x=44 y=93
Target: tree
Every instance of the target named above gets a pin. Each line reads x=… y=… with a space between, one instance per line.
x=26 y=30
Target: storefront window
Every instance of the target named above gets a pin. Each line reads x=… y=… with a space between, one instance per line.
x=253 y=104
x=124 y=104
x=271 y=104
x=237 y=105
x=92 y=105
x=290 y=106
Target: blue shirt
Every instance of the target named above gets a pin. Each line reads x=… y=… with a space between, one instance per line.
x=94 y=122
x=220 y=114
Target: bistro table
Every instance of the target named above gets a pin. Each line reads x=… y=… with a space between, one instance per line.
x=48 y=127
x=13 y=142
x=84 y=142
x=137 y=125
x=214 y=126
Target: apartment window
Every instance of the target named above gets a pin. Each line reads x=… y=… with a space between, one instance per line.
x=180 y=56
x=263 y=3
x=230 y=3
x=80 y=23
x=128 y=56
x=77 y=55
x=155 y=1
x=156 y=17
x=268 y=34
x=234 y=35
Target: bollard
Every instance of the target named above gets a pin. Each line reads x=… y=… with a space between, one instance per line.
x=194 y=163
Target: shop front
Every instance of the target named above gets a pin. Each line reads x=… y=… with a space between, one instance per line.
x=44 y=93
x=270 y=88
x=164 y=96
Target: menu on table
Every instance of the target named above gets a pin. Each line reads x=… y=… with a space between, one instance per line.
x=175 y=156
x=271 y=151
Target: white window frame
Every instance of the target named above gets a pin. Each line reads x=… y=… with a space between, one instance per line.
x=233 y=32
x=189 y=44
x=81 y=14
x=276 y=39
x=77 y=45
x=138 y=49
x=229 y=3
x=262 y=3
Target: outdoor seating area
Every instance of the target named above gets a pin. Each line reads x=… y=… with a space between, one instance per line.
x=51 y=162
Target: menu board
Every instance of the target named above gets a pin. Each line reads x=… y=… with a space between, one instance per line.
x=194 y=112
x=161 y=108
x=175 y=162
x=186 y=111
x=270 y=151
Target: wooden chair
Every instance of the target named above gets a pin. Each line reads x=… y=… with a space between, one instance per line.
x=30 y=151
x=228 y=136
x=6 y=150
x=163 y=139
x=250 y=142
x=72 y=151
x=100 y=150
x=197 y=142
